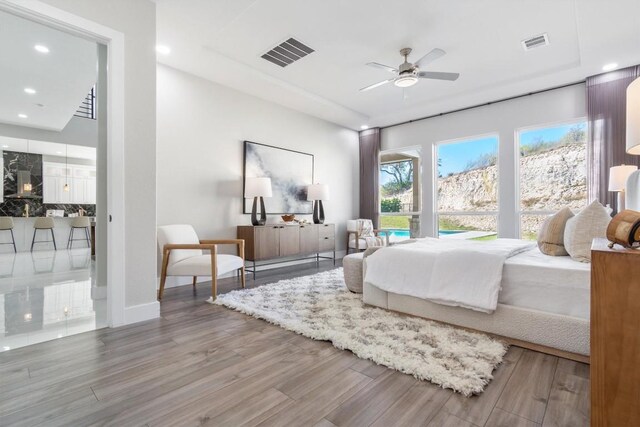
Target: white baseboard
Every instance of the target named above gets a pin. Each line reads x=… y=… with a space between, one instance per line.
x=142 y=312
x=175 y=281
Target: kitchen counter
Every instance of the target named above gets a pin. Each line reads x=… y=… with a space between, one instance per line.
x=23 y=233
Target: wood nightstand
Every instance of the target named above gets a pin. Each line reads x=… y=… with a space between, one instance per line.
x=615 y=335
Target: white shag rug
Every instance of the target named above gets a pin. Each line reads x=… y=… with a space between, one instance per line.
x=321 y=307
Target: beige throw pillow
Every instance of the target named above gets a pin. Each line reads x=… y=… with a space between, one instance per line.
x=551 y=234
x=580 y=231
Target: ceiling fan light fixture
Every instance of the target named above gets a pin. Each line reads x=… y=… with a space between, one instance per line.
x=405 y=81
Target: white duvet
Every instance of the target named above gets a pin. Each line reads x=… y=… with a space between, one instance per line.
x=461 y=273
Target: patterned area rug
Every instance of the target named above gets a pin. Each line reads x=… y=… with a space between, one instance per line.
x=321 y=307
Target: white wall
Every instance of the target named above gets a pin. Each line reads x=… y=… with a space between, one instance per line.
x=136 y=19
x=201 y=127
x=502 y=119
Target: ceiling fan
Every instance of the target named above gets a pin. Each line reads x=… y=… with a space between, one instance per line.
x=407 y=74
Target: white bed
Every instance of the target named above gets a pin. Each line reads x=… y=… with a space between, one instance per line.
x=543 y=304
x=552 y=284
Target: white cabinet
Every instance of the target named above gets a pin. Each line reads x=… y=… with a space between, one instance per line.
x=49 y=185
x=83 y=191
x=90 y=190
x=77 y=190
x=81 y=180
x=53 y=190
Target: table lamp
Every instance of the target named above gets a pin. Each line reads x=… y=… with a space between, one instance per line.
x=618 y=176
x=318 y=193
x=257 y=187
x=633 y=142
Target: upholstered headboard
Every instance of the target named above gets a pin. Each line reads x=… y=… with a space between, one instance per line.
x=633 y=192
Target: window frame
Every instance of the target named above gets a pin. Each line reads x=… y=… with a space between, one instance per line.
x=436 y=211
x=418 y=150
x=516 y=139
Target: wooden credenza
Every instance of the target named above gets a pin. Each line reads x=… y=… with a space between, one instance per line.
x=615 y=335
x=268 y=242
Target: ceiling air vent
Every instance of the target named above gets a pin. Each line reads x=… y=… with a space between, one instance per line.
x=287 y=52
x=535 y=41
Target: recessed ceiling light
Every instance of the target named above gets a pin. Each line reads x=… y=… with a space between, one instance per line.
x=41 y=48
x=610 y=67
x=30 y=90
x=22 y=116
x=163 y=49
x=364 y=127
x=58 y=152
x=5 y=146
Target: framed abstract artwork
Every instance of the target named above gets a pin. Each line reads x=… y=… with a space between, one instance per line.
x=290 y=172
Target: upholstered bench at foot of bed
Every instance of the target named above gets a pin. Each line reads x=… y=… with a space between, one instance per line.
x=352 y=270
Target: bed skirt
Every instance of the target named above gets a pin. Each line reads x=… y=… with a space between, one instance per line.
x=546 y=331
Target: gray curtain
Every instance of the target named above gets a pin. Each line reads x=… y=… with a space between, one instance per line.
x=369 y=154
x=606 y=110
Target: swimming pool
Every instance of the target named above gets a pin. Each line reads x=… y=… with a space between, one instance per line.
x=404 y=233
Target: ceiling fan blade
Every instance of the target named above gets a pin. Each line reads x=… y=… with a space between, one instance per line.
x=384 y=82
x=438 y=75
x=384 y=67
x=430 y=57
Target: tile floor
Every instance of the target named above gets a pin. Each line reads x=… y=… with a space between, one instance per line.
x=46 y=295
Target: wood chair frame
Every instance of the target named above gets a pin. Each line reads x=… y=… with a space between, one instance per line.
x=210 y=245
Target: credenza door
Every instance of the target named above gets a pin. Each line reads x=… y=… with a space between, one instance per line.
x=267 y=242
x=308 y=239
x=289 y=240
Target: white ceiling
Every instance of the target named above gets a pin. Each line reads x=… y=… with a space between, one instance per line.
x=223 y=40
x=47 y=148
x=62 y=78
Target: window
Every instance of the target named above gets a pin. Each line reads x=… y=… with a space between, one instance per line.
x=467 y=198
x=553 y=172
x=400 y=193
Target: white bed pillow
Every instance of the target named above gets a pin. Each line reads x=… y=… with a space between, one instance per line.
x=580 y=231
x=551 y=234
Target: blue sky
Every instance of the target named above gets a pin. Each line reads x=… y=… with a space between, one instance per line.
x=456 y=156
x=548 y=134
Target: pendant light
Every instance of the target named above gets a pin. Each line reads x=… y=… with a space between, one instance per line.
x=66 y=168
x=27 y=187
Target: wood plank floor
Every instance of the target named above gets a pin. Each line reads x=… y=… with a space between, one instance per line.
x=206 y=365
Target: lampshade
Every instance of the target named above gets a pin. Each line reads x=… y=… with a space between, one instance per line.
x=633 y=117
x=618 y=176
x=318 y=192
x=257 y=187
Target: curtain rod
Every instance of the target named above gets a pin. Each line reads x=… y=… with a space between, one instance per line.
x=485 y=104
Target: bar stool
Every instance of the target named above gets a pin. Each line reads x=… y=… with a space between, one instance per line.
x=6 y=224
x=80 y=222
x=43 y=223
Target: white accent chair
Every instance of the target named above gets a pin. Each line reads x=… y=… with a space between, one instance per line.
x=359 y=243
x=182 y=255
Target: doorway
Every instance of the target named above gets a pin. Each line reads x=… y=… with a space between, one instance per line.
x=83 y=284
